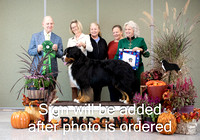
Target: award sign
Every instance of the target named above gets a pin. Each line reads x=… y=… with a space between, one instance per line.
x=130 y=57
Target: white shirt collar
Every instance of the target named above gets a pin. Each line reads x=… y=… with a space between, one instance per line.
x=81 y=36
x=45 y=35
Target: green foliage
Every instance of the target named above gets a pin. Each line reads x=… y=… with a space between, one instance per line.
x=38 y=83
x=32 y=73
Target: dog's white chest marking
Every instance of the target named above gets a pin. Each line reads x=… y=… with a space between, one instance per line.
x=71 y=77
x=163 y=67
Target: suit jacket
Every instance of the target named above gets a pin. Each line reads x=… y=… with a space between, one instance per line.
x=38 y=39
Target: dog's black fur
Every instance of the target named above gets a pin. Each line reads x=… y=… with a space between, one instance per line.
x=170 y=66
x=90 y=73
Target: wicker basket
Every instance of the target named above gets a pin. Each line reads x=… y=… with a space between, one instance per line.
x=37 y=94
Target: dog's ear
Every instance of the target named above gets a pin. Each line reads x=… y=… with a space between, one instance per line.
x=65 y=52
x=74 y=52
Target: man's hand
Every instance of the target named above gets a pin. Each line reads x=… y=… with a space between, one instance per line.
x=40 y=48
x=55 y=47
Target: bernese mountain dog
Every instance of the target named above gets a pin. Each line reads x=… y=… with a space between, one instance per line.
x=170 y=66
x=88 y=73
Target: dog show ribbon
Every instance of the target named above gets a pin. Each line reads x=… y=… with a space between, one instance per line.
x=50 y=53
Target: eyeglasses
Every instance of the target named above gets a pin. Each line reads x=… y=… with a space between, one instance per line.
x=74 y=27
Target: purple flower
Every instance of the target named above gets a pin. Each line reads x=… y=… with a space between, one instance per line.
x=41 y=88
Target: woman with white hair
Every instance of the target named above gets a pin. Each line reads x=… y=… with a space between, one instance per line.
x=134 y=42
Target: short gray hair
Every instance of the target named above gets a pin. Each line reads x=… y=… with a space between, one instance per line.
x=134 y=26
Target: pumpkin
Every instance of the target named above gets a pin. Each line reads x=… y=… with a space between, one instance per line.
x=20 y=120
x=155 y=83
x=33 y=112
x=156 y=88
x=164 y=118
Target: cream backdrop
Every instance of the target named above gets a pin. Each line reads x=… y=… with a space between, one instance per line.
x=21 y=18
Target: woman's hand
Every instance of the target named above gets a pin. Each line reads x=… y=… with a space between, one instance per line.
x=137 y=48
x=81 y=44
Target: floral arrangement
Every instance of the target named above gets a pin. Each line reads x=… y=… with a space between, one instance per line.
x=167 y=103
x=173 y=40
x=152 y=74
x=187 y=117
x=33 y=74
x=181 y=94
x=138 y=100
x=184 y=93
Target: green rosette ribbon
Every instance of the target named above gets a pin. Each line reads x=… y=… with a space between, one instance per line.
x=47 y=50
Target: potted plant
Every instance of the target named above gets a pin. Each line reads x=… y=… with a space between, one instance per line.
x=172 y=41
x=184 y=94
x=187 y=122
x=152 y=102
x=36 y=82
x=147 y=101
x=152 y=74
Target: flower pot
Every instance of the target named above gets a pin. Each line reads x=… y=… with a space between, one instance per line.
x=189 y=128
x=156 y=91
x=186 y=109
x=34 y=94
x=148 y=121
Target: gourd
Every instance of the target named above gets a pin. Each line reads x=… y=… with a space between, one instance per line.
x=33 y=112
x=20 y=120
x=165 y=118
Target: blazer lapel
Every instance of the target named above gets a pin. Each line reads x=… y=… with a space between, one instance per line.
x=42 y=39
x=52 y=38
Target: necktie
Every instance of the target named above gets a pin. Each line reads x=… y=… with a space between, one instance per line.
x=47 y=36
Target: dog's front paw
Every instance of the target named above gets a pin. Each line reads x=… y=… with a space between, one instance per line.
x=76 y=101
x=126 y=102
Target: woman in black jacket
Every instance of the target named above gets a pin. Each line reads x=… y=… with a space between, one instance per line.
x=100 y=49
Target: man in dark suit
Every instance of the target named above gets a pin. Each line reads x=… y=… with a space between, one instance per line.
x=36 y=48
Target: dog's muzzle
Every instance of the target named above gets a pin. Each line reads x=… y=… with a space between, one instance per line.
x=63 y=58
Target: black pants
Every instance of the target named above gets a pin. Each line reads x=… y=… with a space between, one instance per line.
x=115 y=94
x=97 y=93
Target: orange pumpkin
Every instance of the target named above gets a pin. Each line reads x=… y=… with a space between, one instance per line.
x=20 y=120
x=155 y=83
x=165 y=118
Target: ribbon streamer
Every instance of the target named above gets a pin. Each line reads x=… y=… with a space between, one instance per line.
x=47 y=50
